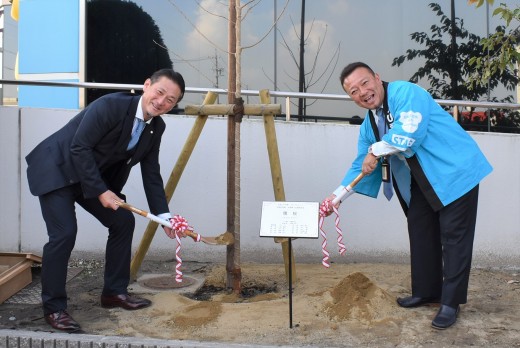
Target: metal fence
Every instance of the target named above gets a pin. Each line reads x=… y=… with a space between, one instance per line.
x=469 y=120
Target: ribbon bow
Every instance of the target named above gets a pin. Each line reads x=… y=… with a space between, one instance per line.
x=179 y=225
x=325 y=210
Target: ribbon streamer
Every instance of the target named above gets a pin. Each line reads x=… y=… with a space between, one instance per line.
x=179 y=225
x=325 y=209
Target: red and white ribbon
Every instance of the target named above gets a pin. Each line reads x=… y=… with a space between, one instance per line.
x=325 y=208
x=179 y=225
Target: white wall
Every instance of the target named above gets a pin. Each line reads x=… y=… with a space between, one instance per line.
x=9 y=179
x=314 y=159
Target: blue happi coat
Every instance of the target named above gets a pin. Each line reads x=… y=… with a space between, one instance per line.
x=442 y=157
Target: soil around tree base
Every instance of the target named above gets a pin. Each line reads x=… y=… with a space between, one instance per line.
x=345 y=305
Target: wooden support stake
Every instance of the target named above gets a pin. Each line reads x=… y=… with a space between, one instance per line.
x=276 y=175
x=170 y=186
x=456 y=113
x=229 y=109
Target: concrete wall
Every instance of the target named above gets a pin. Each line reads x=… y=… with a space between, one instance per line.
x=10 y=179
x=314 y=159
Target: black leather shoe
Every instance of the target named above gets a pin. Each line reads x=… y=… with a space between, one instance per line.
x=446 y=317
x=124 y=301
x=411 y=301
x=62 y=320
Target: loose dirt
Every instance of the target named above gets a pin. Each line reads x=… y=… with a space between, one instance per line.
x=344 y=306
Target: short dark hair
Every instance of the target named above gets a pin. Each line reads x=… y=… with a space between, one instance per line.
x=173 y=76
x=350 y=68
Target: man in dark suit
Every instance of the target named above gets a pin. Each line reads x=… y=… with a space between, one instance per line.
x=88 y=162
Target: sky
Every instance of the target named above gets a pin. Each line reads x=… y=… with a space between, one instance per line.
x=373 y=31
x=338 y=32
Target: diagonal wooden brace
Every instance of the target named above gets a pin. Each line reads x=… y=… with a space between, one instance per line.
x=170 y=186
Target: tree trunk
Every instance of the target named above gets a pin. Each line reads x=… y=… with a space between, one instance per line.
x=233 y=271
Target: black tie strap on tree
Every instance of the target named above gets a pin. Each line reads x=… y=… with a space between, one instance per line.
x=238 y=109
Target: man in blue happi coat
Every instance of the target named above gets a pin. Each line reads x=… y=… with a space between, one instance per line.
x=423 y=156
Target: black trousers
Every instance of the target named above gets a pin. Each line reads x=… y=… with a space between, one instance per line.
x=59 y=212
x=441 y=246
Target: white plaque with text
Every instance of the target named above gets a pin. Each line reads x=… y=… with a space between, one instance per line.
x=290 y=219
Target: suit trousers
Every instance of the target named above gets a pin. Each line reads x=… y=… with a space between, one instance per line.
x=59 y=212
x=441 y=246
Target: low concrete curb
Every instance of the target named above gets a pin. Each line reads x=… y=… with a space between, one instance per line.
x=31 y=339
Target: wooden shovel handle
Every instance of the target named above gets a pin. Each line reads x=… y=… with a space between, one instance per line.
x=348 y=188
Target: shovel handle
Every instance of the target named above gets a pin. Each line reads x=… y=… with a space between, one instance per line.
x=348 y=188
x=192 y=234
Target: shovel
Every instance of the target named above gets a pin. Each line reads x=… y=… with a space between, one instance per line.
x=224 y=239
x=348 y=188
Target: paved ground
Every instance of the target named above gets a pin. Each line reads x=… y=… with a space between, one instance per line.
x=31 y=339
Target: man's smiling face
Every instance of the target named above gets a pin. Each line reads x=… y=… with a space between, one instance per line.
x=365 y=88
x=159 y=97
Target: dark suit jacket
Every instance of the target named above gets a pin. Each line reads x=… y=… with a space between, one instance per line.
x=91 y=150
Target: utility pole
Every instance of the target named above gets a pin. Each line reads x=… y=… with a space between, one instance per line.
x=301 y=80
x=454 y=49
x=275 y=44
x=218 y=70
x=488 y=113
